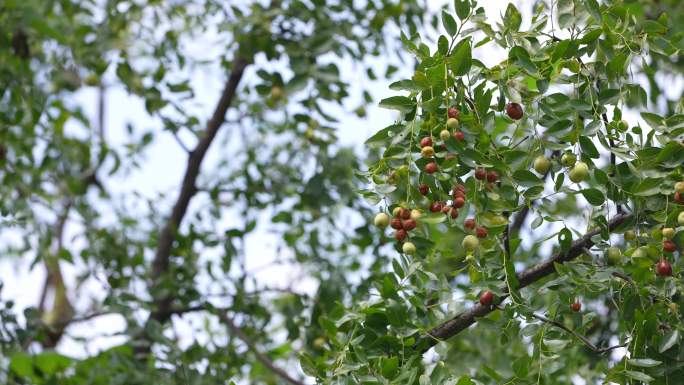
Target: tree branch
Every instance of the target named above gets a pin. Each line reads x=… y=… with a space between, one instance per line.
x=577 y=335
x=160 y=264
x=238 y=332
x=463 y=320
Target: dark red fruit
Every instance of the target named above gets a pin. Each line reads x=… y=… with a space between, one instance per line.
x=405 y=213
x=445 y=209
x=426 y=141
x=441 y=147
x=576 y=306
x=459 y=187
x=480 y=173
x=469 y=223
x=487 y=298
x=664 y=268
x=408 y=224
x=460 y=136
x=514 y=111
x=431 y=168
x=454 y=213
x=678 y=197
x=669 y=246
x=400 y=235
x=459 y=202
x=395 y=223
x=492 y=176
x=453 y=113
x=481 y=232
x=423 y=188
x=436 y=207
x=459 y=194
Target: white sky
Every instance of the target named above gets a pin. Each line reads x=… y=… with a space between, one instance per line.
x=163 y=167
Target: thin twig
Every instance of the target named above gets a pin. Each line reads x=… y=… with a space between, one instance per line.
x=264 y=359
x=577 y=335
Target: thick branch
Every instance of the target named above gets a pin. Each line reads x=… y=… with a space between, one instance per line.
x=160 y=265
x=239 y=333
x=535 y=273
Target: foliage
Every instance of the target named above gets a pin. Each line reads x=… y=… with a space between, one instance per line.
x=594 y=79
x=576 y=73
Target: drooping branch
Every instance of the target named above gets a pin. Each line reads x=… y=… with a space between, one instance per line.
x=160 y=264
x=535 y=273
x=577 y=335
x=263 y=358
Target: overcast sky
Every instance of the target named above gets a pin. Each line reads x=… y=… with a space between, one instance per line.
x=162 y=171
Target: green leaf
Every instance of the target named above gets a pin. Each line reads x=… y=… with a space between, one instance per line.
x=565 y=239
x=462 y=8
x=461 y=58
x=593 y=7
x=449 y=23
x=643 y=362
x=401 y=103
x=639 y=376
x=389 y=367
x=432 y=218
x=669 y=340
x=588 y=147
x=593 y=196
x=526 y=178
x=512 y=18
x=21 y=365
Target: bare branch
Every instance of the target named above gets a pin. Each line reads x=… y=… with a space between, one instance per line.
x=160 y=265
x=238 y=332
x=577 y=335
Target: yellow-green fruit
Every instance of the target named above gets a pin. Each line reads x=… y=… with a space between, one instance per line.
x=470 y=242
x=92 y=80
x=319 y=342
x=568 y=159
x=408 y=248
x=452 y=122
x=444 y=135
x=542 y=164
x=579 y=172
x=622 y=126
x=630 y=235
x=679 y=187
x=613 y=254
x=381 y=220
x=415 y=214
x=276 y=92
x=640 y=252
x=427 y=152
x=396 y=211
x=668 y=233
x=680 y=219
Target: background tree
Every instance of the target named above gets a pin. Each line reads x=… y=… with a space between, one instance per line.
x=544 y=188
x=261 y=154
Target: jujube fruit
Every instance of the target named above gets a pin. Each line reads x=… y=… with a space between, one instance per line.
x=431 y=168
x=408 y=248
x=542 y=164
x=664 y=268
x=487 y=298
x=514 y=111
x=579 y=172
x=381 y=220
